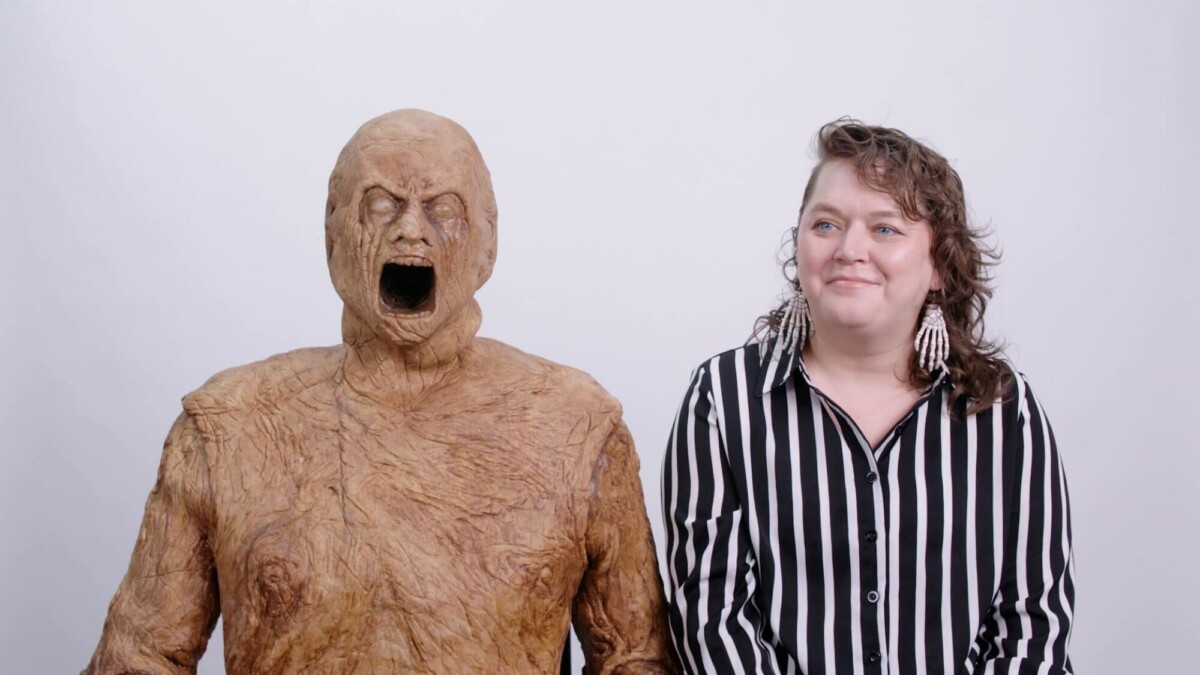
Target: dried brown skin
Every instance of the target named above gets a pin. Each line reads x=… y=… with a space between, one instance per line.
x=415 y=500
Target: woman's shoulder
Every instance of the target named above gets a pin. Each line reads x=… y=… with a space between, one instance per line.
x=1018 y=392
x=743 y=367
x=1016 y=404
x=746 y=358
x=1028 y=404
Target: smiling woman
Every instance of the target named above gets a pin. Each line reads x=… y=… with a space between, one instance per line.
x=910 y=192
x=866 y=486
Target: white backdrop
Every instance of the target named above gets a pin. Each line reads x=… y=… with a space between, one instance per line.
x=163 y=177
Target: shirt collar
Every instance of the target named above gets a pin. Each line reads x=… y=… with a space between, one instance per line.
x=780 y=363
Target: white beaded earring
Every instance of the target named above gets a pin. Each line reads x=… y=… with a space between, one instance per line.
x=796 y=324
x=932 y=342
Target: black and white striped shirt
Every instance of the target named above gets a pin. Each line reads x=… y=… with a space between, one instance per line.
x=794 y=547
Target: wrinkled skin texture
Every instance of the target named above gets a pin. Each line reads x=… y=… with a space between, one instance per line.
x=414 y=500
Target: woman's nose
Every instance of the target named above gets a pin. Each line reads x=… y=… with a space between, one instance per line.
x=852 y=246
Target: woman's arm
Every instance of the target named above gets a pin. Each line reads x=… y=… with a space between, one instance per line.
x=1029 y=625
x=715 y=623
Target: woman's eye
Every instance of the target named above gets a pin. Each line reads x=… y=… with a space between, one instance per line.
x=823 y=226
x=885 y=230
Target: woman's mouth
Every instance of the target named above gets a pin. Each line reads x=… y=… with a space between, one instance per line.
x=850 y=282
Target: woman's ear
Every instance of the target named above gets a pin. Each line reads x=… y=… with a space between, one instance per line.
x=935 y=280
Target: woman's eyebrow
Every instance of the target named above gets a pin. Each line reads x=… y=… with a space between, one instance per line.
x=830 y=209
x=827 y=208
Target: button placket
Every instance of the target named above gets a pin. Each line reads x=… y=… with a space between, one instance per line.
x=876 y=541
x=874 y=551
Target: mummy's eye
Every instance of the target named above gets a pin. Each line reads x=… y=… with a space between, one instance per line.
x=445 y=210
x=380 y=207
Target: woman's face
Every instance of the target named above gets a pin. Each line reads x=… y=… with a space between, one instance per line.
x=865 y=268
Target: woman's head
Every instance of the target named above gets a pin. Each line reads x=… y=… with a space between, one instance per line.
x=864 y=264
x=882 y=230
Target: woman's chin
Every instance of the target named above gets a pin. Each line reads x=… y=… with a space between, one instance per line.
x=852 y=321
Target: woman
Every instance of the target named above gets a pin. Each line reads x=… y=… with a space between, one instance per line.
x=869 y=488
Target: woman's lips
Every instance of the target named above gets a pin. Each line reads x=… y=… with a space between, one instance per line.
x=850 y=282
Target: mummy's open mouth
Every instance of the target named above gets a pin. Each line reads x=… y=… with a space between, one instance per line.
x=407 y=288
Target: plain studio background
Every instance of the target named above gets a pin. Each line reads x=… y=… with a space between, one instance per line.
x=164 y=174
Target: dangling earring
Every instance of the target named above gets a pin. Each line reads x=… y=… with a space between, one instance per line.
x=932 y=342
x=796 y=324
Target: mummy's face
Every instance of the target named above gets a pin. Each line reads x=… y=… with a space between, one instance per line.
x=410 y=225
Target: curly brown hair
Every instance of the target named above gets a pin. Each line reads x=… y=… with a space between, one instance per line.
x=927 y=188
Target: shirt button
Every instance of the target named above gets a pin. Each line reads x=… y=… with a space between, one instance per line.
x=871 y=536
x=872 y=597
x=872 y=476
x=873 y=657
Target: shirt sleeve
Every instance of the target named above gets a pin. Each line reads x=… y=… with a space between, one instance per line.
x=163 y=612
x=620 y=612
x=716 y=626
x=1029 y=625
